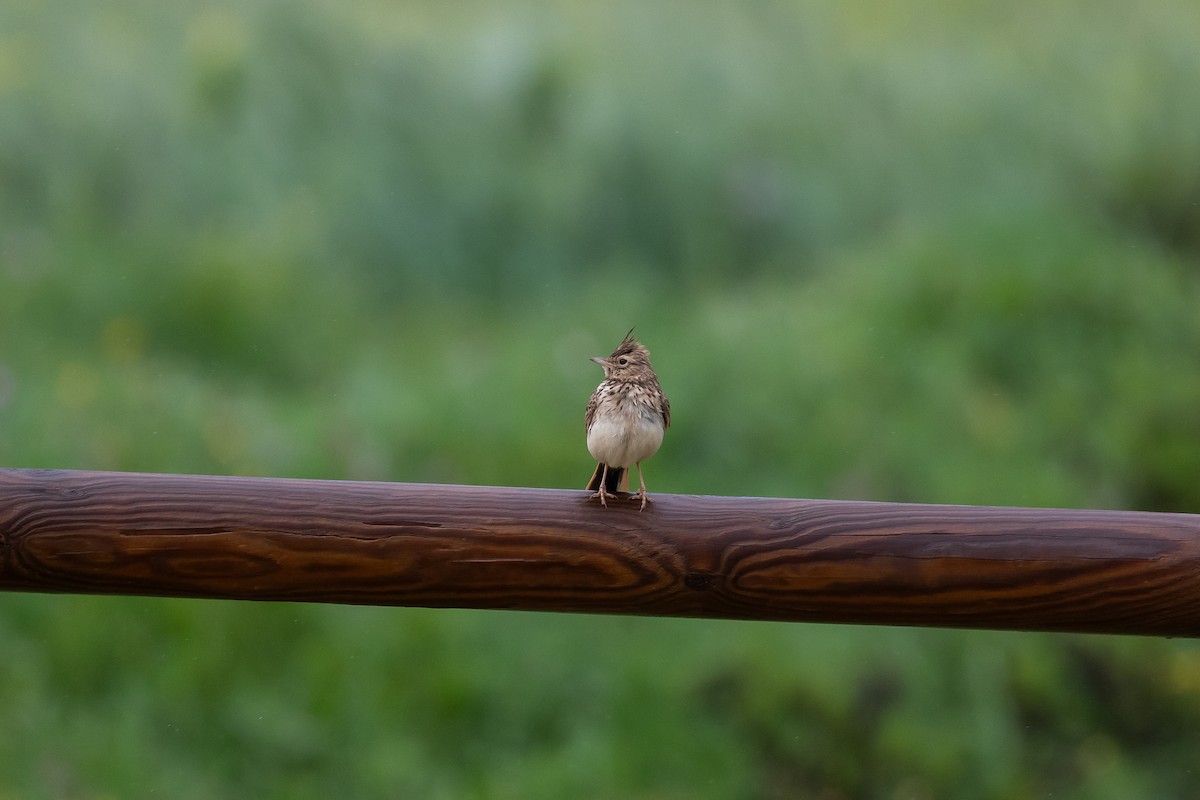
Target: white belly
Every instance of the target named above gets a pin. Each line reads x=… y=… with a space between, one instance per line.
x=624 y=440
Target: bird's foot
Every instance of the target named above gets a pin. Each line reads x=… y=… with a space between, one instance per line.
x=645 y=498
x=604 y=497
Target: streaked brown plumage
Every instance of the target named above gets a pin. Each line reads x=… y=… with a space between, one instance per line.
x=625 y=419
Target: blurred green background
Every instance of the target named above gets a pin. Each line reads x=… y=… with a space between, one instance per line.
x=928 y=252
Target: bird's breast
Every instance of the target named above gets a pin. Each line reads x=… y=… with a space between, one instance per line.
x=624 y=433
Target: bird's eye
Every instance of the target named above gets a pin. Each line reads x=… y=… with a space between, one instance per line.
x=623 y=361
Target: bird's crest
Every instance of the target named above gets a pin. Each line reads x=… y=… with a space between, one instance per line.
x=628 y=345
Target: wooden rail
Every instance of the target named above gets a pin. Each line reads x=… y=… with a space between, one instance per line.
x=556 y=550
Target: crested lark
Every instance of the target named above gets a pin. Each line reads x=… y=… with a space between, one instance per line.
x=625 y=419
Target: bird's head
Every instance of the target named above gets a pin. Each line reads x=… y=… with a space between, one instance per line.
x=628 y=361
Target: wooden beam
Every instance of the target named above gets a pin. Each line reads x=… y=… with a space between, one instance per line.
x=557 y=550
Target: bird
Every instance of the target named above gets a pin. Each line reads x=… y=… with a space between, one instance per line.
x=625 y=420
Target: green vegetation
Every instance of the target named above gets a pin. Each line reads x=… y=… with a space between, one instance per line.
x=922 y=252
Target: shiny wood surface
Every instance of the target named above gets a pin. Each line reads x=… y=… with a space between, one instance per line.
x=557 y=550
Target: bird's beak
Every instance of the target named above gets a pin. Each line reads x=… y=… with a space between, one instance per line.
x=598 y=359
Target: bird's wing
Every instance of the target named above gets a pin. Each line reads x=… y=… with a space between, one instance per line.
x=590 y=416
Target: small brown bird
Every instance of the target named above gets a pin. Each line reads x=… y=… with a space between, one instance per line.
x=625 y=419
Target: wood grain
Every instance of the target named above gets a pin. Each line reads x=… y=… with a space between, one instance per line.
x=556 y=550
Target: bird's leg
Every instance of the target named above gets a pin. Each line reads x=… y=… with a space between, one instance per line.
x=602 y=493
x=642 y=491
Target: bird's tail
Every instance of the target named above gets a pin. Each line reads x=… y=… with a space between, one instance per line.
x=617 y=480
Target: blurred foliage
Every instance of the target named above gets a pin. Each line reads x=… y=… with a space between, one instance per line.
x=922 y=252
